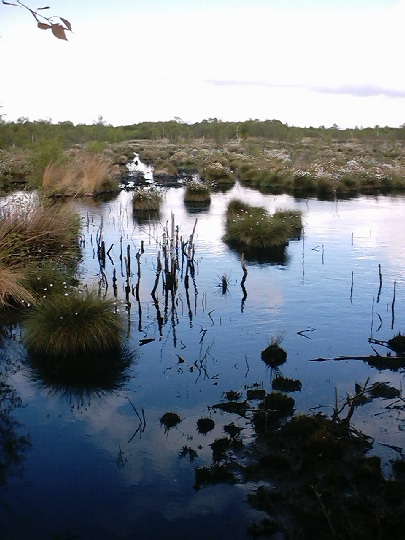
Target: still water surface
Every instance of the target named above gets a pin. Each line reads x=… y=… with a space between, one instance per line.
x=89 y=472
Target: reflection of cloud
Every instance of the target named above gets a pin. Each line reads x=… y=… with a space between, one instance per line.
x=366 y=90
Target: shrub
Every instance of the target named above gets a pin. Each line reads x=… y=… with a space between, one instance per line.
x=197 y=192
x=44 y=153
x=73 y=324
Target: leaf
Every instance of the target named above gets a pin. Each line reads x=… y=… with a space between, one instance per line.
x=58 y=31
x=43 y=26
x=46 y=7
x=66 y=23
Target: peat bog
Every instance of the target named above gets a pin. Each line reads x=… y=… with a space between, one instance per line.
x=245 y=393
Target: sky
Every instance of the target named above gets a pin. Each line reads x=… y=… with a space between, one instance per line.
x=303 y=62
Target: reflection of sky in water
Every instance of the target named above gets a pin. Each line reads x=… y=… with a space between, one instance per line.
x=327 y=290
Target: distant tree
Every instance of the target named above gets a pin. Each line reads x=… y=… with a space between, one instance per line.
x=58 y=25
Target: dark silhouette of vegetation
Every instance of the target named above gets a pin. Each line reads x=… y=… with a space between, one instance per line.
x=24 y=133
x=58 y=25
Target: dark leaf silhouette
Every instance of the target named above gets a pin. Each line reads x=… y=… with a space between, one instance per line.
x=44 y=26
x=44 y=23
x=66 y=23
x=58 y=31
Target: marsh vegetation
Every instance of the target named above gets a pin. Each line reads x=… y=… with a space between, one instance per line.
x=152 y=344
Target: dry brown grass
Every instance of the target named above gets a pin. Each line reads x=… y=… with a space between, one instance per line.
x=12 y=292
x=85 y=174
x=36 y=230
x=32 y=231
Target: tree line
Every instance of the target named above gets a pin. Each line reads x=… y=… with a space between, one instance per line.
x=24 y=133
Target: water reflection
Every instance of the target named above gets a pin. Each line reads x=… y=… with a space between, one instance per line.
x=81 y=378
x=194 y=343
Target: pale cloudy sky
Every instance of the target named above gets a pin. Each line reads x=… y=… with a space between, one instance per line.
x=304 y=62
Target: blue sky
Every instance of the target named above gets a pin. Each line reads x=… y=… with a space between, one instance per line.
x=304 y=62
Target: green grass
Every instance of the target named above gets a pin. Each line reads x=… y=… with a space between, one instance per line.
x=252 y=227
x=73 y=324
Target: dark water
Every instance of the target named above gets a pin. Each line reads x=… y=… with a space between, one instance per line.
x=92 y=468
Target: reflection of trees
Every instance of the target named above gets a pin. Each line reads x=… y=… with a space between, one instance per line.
x=12 y=445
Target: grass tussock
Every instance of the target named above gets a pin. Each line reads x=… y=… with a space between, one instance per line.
x=197 y=192
x=73 y=324
x=252 y=227
x=12 y=291
x=147 y=200
x=33 y=236
x=85 y=174
x=36 y=230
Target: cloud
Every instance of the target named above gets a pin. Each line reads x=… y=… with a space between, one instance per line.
x=236 y=82
x=361 y=91
x=356 y=90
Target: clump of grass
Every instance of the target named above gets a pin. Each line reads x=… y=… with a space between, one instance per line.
x=12 y=291
x=218 y=173
x=274 y=355
x=147 y=200
x=397 y=343
x=284 y=384
x=48 y=277
x=36 y=230
x=33 y=233
x=204 y=425
x=74 y=324
x=274 y=407
x=84 y=174
x=232 y=395
x=170 y=420
x=197 y=192
x=252 y=227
